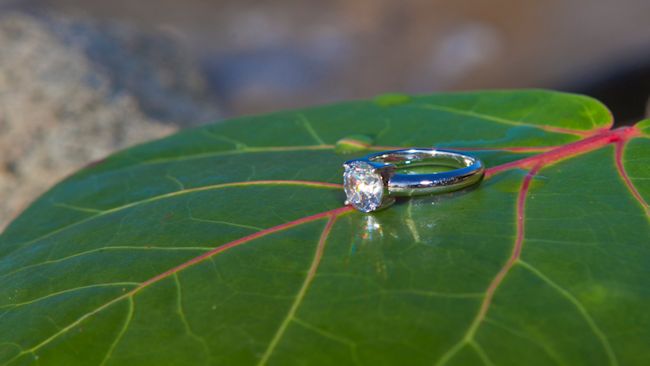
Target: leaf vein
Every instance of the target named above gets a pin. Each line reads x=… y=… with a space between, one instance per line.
x=186 y=324
x=581 y=309
x=183 y=192
x=102 y=249
x=318 y=253
x=118 y=338
x=481 y=353
x=310 y=129
x=505 y=121
x=66 y=291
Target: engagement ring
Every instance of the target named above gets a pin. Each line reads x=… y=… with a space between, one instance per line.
x=372 y=183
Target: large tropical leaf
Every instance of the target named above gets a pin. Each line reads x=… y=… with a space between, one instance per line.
x=230 y=245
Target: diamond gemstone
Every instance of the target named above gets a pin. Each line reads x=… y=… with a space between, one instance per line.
x=364 y=187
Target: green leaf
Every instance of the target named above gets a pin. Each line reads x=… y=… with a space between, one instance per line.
x=229 y=245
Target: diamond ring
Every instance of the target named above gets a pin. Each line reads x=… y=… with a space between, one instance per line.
x=372 y=183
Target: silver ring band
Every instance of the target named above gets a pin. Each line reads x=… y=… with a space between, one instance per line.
x=371 y=183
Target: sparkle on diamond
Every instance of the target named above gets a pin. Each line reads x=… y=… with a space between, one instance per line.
x=364 y=187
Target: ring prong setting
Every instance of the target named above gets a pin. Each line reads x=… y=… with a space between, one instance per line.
x=365 y=186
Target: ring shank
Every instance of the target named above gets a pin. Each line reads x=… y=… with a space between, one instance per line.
x=469 y=171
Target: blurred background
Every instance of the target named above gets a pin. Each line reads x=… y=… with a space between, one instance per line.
x=82 y=78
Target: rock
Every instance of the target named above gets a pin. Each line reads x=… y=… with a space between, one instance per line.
x=72 y=91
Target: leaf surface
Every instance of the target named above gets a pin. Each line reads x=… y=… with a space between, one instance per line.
x=229 y=244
